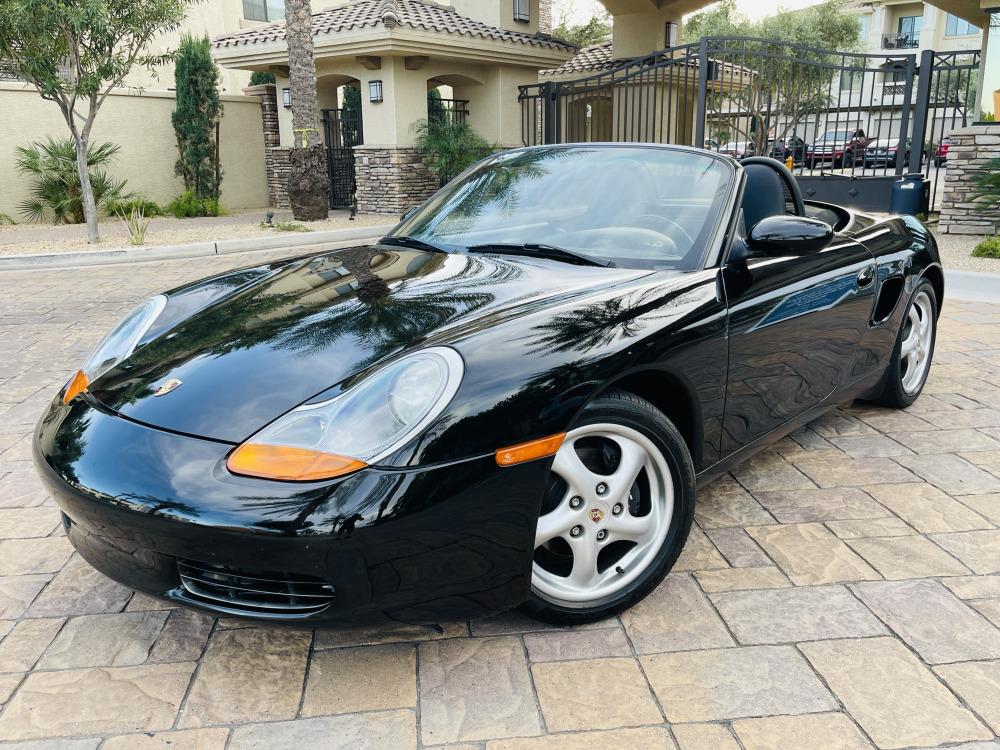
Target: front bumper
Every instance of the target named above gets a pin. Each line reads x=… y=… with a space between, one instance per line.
x=420 y=545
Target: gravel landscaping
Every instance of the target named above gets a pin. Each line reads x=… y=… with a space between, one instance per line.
x=35 y=239
x=956 y=253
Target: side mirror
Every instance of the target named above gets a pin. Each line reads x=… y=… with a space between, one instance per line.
x=784 y=236
x=408 y=213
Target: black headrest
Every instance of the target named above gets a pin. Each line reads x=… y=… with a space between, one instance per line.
x=763 y=195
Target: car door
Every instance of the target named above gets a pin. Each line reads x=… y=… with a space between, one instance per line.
x=795 y=325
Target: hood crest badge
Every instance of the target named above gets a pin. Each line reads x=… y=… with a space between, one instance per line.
x=171 y=385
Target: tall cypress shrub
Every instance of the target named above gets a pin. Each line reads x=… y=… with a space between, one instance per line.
x=195 y=117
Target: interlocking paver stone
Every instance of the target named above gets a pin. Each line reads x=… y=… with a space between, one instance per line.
x=22 y=647
x=813 y=731
x=988 y=608
x=800 y=506
x=26 y=523
x=651 y=738
x=367 y=678
x=907 y=557
x=183 y=637
x=120 y=640
x=379 y=635
x=809 y=554
x=368 y=731
x=738 y=548
x=79 y=589
x=770 y=472
x=895 y=699
x=704 y=737
x=17 y=592
x=724 y=503
x=740 y=579
x=699 y=554
x=576 y=644
x=926 y=508
x=987 y=506
x=249 y=674
x=573 y=695
x=675 y=617
x=799 y=614
x=980 y=550
x=951 y=473
x=890 y=526
x=185 y=739
x=978 y=684
x=735 y=683
x=974 y=587
x=474 y=689
x=110 y=700
x=28 y=556
x=936 y=623
x=853 y=472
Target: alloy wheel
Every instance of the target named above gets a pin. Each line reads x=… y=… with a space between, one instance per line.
x=918 y=336
x=607 y=511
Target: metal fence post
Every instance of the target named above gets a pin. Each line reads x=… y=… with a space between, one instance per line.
x=550 y=104
x=923 y=105
x=904 y=118
x=701 y=109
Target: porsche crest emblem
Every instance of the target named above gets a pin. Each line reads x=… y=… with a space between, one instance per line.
x=596 y=515
x=171 y=385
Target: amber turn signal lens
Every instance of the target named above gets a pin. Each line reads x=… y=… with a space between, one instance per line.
x=289 y=464
x=76 y=386
x=541 y=448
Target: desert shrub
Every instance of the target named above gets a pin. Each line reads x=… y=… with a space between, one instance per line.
x=137 y=223
x=55 y=191
x=125 y=205
x=988 y=248
x=187 y=205
x=449 y=146
x=285 y=226
x=6 y=220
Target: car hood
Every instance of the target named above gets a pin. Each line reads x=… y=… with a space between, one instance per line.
x=275 y=343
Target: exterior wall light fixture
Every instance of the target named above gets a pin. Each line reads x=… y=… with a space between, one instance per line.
x=375 y=92
x=286 y=97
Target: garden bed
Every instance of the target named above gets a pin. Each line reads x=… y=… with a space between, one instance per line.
x=34 y=239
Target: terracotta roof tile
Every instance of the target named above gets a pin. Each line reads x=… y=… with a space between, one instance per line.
x=589 y=59
x=416 y=14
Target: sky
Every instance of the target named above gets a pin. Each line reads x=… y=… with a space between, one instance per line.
x=581 y=10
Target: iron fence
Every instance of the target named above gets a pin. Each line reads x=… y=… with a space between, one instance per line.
x=452 y=110
x=837 y=117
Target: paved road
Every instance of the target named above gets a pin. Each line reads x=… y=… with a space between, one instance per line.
x=839 y=591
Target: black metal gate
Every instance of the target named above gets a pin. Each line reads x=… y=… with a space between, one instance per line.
x=849 y=123
x=342 y=131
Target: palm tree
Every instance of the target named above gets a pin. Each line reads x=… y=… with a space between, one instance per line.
x=308 y=181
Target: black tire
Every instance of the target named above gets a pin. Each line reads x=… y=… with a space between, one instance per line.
x=626 y=409
x=893 y=393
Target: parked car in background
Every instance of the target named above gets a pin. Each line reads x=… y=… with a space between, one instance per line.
x=941 y=153
x=736 y=149
x=842 y=148
x=792 y=146
x=885 y=152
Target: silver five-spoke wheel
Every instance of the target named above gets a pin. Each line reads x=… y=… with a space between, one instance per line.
x=608 y=510
x=915 y=351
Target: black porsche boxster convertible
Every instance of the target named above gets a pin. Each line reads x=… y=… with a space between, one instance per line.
x=508 y=400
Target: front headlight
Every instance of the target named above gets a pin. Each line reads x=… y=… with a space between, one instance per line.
x=116 y=346
x=359 y=427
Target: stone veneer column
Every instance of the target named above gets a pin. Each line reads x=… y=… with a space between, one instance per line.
x=544 y=16
x=971 y=149
x=390 y=179
x=275 y=158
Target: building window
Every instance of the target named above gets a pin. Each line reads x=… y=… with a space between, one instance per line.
x=909 y=30
x=863 y=32
x=956 y=26
x=522 y=10
x=264 y=10
x=850 y=80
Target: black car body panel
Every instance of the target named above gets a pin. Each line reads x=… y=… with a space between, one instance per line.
x=737 y=354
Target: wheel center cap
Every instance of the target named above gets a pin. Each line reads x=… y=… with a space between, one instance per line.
x=597 y=513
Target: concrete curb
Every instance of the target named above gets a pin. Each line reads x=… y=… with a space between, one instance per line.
x=278 y=241
x=972 y=286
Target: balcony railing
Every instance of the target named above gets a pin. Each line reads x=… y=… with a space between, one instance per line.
x=454 y=110
x=900 y=41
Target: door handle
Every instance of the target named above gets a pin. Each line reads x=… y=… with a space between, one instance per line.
x=866 y=277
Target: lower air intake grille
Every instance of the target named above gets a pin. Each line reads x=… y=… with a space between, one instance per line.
x=257 y=593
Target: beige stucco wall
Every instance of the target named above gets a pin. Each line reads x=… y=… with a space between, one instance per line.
x=141 y=126
x=491 y=90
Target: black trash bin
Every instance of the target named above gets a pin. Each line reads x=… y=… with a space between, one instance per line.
x=910 y=195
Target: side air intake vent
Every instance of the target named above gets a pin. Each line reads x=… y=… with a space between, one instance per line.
x=257 y=593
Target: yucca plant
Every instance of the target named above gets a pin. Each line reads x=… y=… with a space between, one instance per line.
x=56 y=193
x=137 y=223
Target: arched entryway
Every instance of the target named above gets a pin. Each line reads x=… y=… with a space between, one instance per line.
x=339 y=99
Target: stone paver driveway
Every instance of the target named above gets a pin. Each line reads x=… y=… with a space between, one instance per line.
x=840 y=591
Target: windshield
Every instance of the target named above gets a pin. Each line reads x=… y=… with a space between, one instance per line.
x=635 y=207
